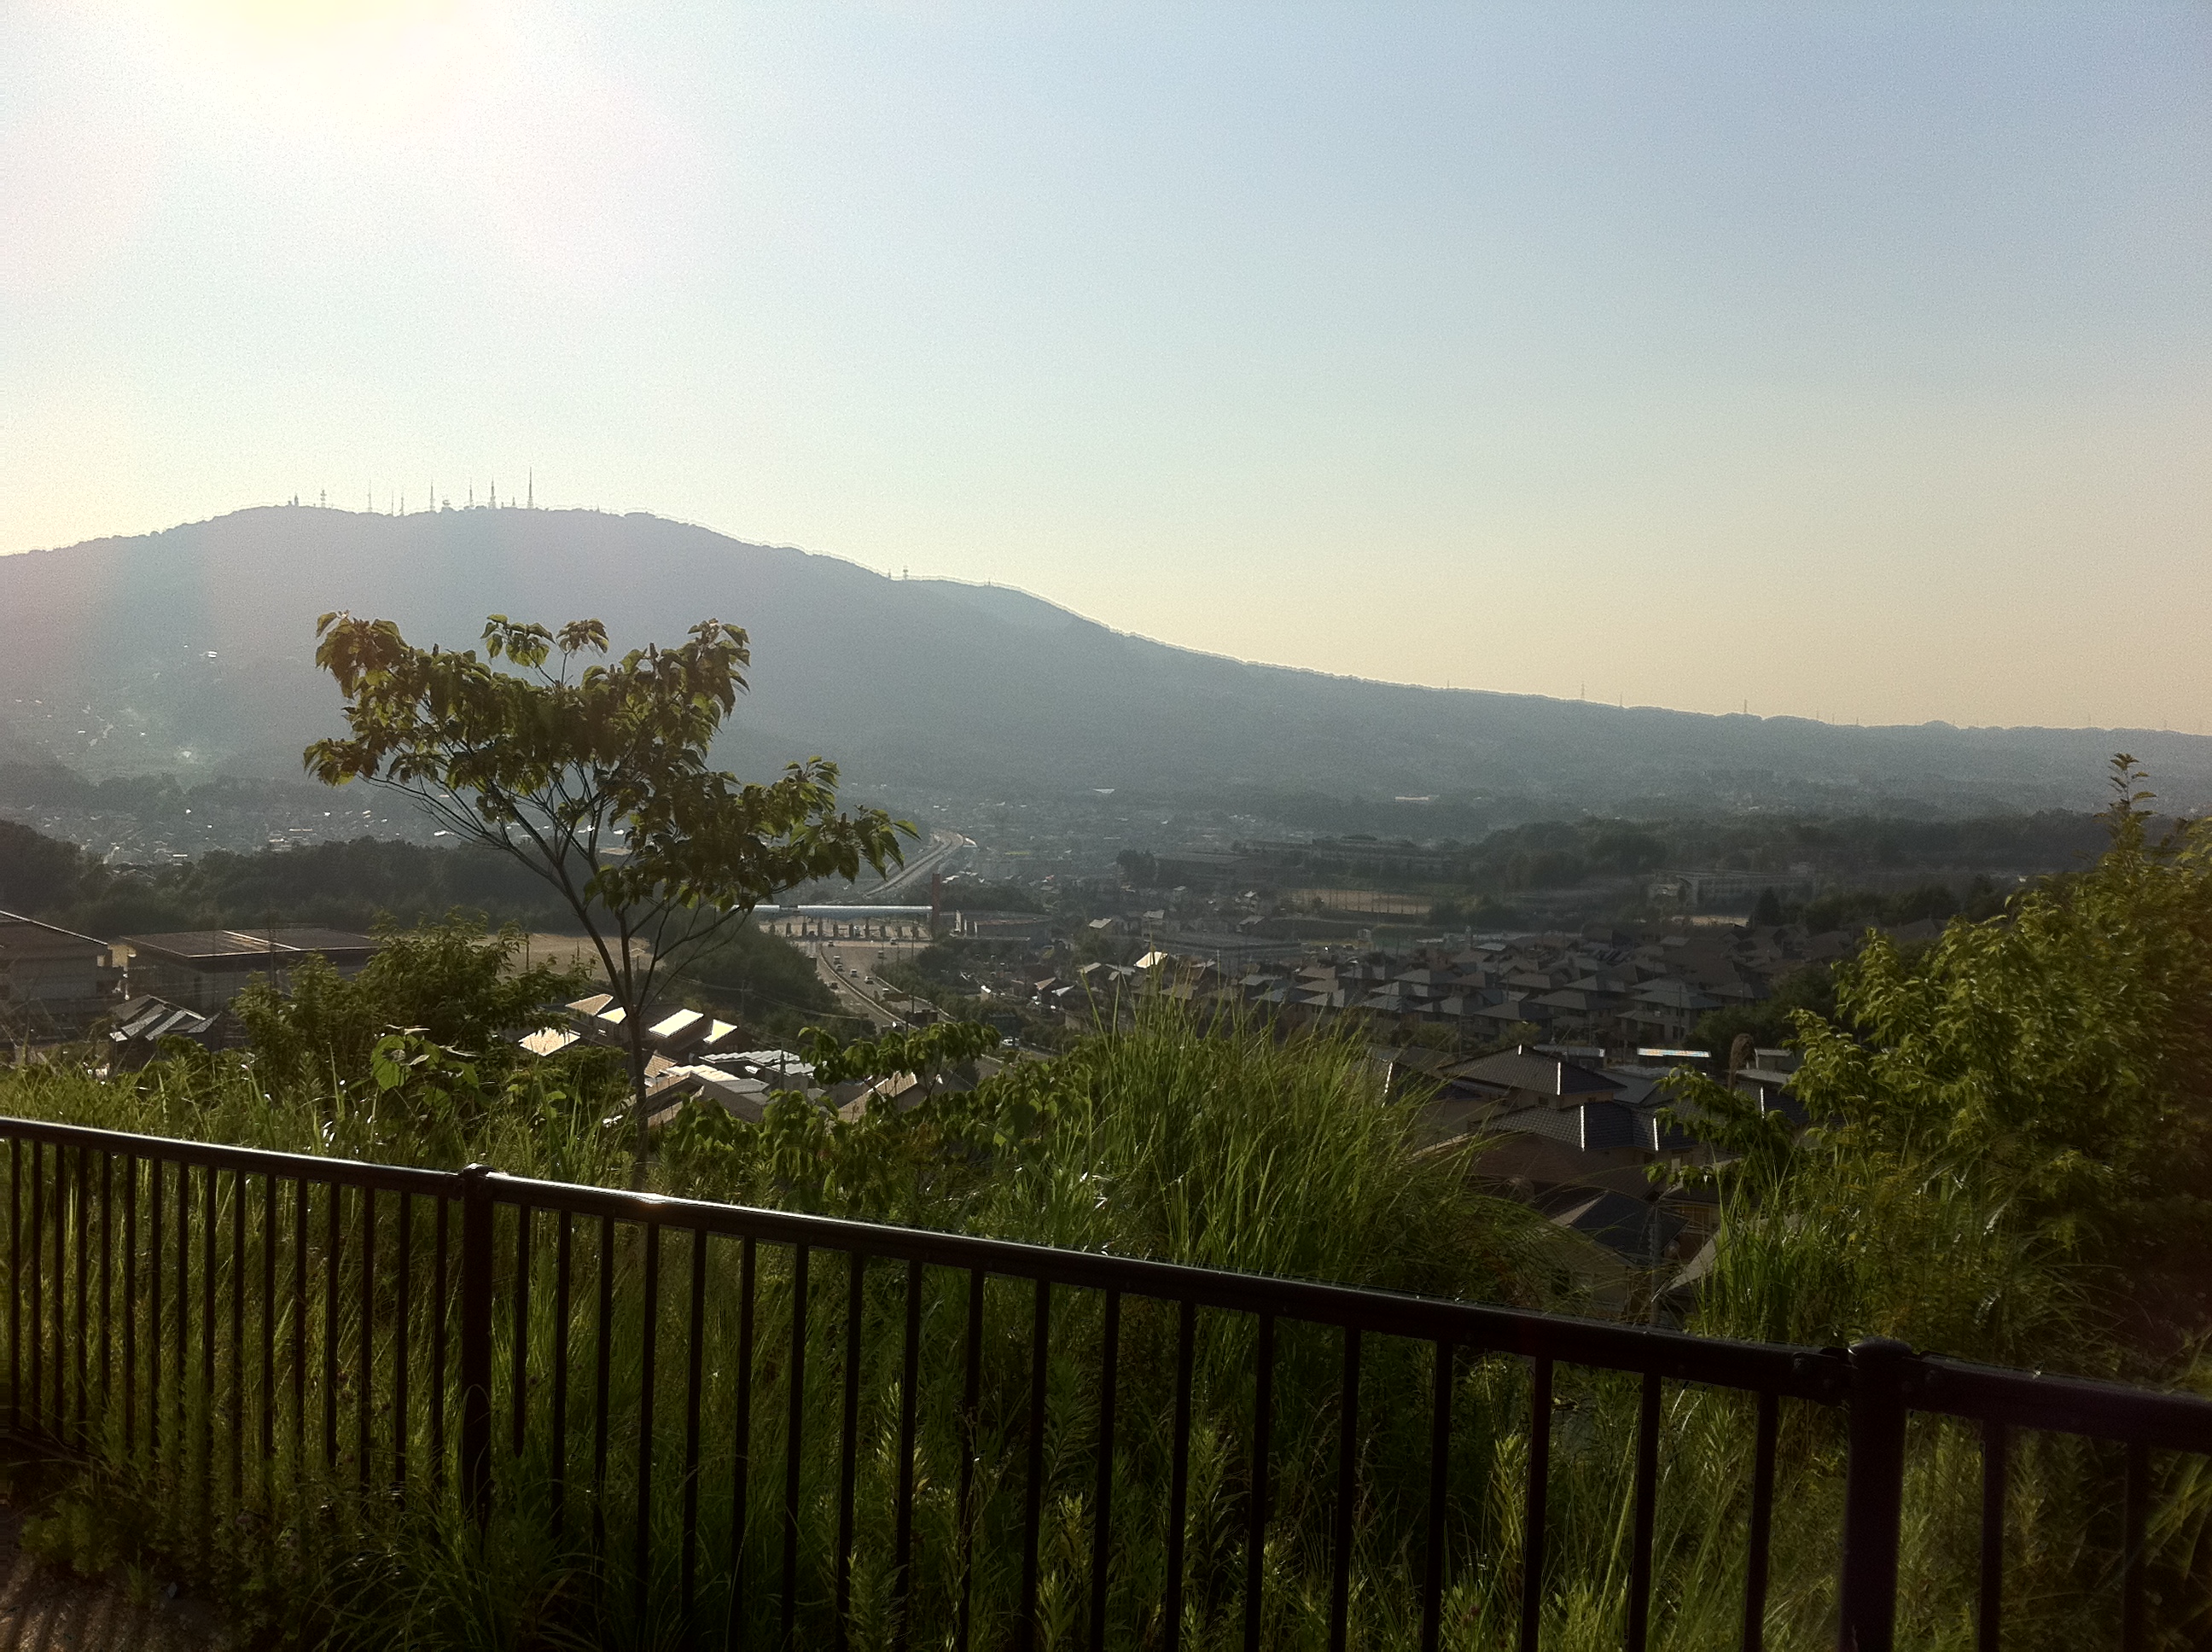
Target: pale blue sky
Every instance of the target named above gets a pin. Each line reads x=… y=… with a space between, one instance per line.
x=1847 y=360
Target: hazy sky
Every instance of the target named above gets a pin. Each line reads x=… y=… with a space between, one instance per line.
x=1846 y=361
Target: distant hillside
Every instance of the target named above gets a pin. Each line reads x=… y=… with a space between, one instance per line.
x=192 y=649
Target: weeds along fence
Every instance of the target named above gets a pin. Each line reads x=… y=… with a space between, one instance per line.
x=653 y=1422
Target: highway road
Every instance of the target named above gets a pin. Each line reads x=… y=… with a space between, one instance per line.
x=844 y=969
x=911 y=882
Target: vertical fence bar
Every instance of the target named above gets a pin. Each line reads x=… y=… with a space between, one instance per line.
x=54 y=1413
x=71 y=1291
x=14 y=1284
x=694 y=1382
x=403 y=1311
x=970 y=1425
x=1534 y=1497
x=1647 y=1500
x=182 y=1416
x=848 y=1444
x=365 y=1387
x=440 y=1312
x=153 y=1313
x=476 y=1342
x=38 y=1295
x=1432 y=1570
x=84 y=1281
x=68 y=1266
x=602 y=1376
x=903 y=1542
x=1989 y=1619
x=268 y=1225
x=562 y=1249
x=792 y=1432
x=237 y=1341
x=40 y=1205
x=1102 y=1496
x=61 y=1293
x=1762 y=1524
x=520 y=1375
x=68 y=1260
x=1255 y=1520
x=54 y=1402
x=648 y=1345
x=129 y=1305
x=741 y=1431
x=2136 y=1506
x=208 y=1253
x=300 y=1220
x=1033 y=1485
x=58 y=1340
x=1874 y=1493
x=1179 y=1473
x=1347 y=1494
x=107 y=1288
x=332 y=1249
x=66 y=1205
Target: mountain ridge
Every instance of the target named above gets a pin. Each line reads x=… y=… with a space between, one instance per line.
x=192 y=649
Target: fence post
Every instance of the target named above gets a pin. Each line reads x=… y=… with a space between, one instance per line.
x=476 y=1341
x=1873 y=1495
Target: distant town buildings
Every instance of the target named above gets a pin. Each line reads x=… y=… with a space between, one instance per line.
x=1539 y=1056
x=1726 y=892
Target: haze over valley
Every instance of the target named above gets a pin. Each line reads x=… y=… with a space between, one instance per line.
x=190 y=653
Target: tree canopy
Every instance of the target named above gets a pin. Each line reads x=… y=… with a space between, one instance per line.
x=597 y=777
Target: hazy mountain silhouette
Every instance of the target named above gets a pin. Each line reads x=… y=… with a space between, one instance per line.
x=123 y=654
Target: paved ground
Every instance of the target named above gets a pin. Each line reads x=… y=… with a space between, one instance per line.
x=46 y=1609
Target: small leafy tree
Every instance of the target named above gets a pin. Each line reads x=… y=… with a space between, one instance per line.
x=597 y=780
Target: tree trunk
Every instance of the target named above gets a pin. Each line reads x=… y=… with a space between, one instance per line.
x=636 y=1021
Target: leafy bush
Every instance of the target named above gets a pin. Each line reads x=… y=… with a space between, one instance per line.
x=453 y=982
x=2030 y=1096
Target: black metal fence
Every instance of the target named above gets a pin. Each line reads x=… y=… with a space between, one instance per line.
x=750 y=1427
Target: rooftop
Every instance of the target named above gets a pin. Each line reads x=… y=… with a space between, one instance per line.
x=219 y=945
x=24 y=937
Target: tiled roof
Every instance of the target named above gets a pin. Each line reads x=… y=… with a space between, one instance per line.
x=1637 y=1231
x=1593 y=1127
x=1543 y=1075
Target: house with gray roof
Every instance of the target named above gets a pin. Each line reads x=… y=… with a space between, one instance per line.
x=54 y=982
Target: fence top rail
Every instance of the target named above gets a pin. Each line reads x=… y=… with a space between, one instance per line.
x=1927 y=1383
x=1801 y=1373
x=254 y=1161
x=2059 y=1404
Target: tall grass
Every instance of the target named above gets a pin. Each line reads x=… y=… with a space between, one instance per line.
x=1230 y=1148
